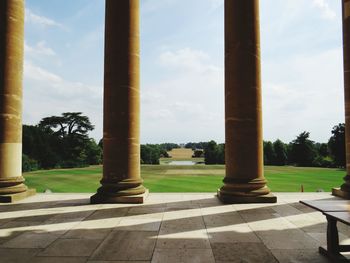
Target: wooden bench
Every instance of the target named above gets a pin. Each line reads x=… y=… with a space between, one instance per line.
x=335 y=210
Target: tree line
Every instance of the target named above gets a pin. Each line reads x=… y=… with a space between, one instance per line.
x=300 y=152
x=63 y=142
x=60 y=142
x=304 y=152
x=151 y=153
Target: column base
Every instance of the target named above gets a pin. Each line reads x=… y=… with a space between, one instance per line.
x=240 y=199
x=11 y=198
x=102 y=198
x=340 y=193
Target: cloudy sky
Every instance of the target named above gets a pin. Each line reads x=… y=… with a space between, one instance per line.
x=182 y=62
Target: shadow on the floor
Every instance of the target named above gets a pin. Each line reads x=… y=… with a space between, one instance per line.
x=203 y=230
x=40 y=205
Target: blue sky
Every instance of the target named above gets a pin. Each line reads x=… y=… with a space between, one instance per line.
x=182 y=72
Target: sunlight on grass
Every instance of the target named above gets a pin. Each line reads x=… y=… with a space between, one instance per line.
x=174 y=178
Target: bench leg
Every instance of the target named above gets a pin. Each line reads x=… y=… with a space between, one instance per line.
x=333 y=248
x=332 y=236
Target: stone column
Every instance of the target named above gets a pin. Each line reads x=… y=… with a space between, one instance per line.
x=121 y=182
x=344 y=190
x=12 y=187
x=244 y=181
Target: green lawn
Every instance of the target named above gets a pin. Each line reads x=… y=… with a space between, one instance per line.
x=198 y=178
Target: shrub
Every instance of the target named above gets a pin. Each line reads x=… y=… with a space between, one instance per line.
x=29 y=164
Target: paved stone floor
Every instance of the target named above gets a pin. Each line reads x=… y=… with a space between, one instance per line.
x=167 y=228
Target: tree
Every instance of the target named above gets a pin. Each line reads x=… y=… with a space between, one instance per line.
x=269 y=153
x=280 y=153
x=196 y=145
x=29 y=164
x=210 y=153
x=100 y=143
x=302 y=150
x=70 y=124
x=169 y=146
x=61 y=141
x=150 y=154
x=322 y=149
x=71 y=129
x=197 y=153
x=93 y=152
x=220 y=153
x=41 y=146
x=336 y=145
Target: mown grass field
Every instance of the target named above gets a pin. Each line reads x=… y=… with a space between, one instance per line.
x=197 y=178
x=181 y=153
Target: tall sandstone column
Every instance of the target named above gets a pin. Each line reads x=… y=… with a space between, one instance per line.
x=121 y=182
x=12 y=185
x=344 y=190
x=244 y=181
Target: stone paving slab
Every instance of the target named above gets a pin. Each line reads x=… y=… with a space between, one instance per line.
x=127 y=245
x=169 y=227
x=250 y=252
x=298 y=255
x=60 y=260
x=71 y=248
x=31 y=240
x=18 y=255
x=183 y=255
x=118 y=261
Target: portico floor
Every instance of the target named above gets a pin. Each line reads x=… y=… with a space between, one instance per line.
x=167 y=228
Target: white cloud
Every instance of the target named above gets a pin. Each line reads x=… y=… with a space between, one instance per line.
x=39 y=49
x=323 y=5
x=187 y=103
x=43 y=21
x=150 y=6
x=54 y=85
x=46 y=94
x=303 y=93
x=182 y=89
x=36 y=73
x=187 y=59
x=216 y=3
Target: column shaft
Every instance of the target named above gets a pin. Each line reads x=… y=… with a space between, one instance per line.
x=244 y=180
x=121 y=180
x=11 y=71
x=344 y=190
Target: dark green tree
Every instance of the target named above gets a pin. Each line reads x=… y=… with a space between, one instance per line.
x=70 y=124
x=269 y=153
x=100 y=143
x=93 y=152
x=322 y=149
x=150 y=154
x=61 y=141
x=210 y=153
x=336 y=145
x=29 y=164
x=302 y=150
x=198 y=153
x=220 y=153
x=196 y=145
x=169 y=146
x=71 y=129
x=280 y=153
x=41 y=146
